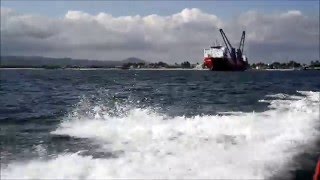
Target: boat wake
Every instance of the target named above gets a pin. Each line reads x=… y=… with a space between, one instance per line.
x=147 y=144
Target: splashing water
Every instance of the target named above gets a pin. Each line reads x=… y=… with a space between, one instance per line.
x=152 y=145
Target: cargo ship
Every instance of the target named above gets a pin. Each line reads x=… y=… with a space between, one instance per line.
x=225 y=58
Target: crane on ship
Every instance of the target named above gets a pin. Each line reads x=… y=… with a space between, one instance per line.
x=235 y=55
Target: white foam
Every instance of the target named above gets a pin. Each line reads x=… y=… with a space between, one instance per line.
x=235 y=146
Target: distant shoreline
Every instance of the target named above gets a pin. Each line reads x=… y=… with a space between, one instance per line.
x=147 y=69
x=134 y=69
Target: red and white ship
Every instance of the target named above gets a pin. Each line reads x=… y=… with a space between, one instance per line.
x=225 y=58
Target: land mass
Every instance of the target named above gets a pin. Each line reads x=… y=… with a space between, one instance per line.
x=38 y=62
x=129 y=63
x=57 y=63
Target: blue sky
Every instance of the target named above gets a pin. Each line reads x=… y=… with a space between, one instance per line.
x=224 y=9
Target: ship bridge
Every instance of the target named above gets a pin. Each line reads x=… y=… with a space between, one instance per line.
x=215 y=52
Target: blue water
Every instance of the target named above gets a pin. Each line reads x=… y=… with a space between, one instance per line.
x=66 y=116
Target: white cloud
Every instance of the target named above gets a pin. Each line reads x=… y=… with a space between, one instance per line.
x=174 y=38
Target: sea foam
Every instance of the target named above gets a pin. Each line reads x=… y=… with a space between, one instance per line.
x=234 y=146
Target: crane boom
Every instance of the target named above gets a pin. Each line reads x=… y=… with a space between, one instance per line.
x=230 y=49
x=241 y=45
x=226 y=41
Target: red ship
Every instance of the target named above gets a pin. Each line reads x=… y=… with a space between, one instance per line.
x=226 y=58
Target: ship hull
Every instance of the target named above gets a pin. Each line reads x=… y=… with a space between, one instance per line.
x=224 y=64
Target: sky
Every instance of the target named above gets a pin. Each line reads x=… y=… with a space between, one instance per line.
x=171 y=31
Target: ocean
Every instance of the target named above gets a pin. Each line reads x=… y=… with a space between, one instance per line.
x=134 y=124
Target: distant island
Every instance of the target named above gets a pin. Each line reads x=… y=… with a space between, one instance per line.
x=65 y=63
x=131 y=63
x=47 y=62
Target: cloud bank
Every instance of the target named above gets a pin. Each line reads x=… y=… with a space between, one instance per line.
x=175 y=38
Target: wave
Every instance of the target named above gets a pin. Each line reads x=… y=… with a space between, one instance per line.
x=234 y=145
